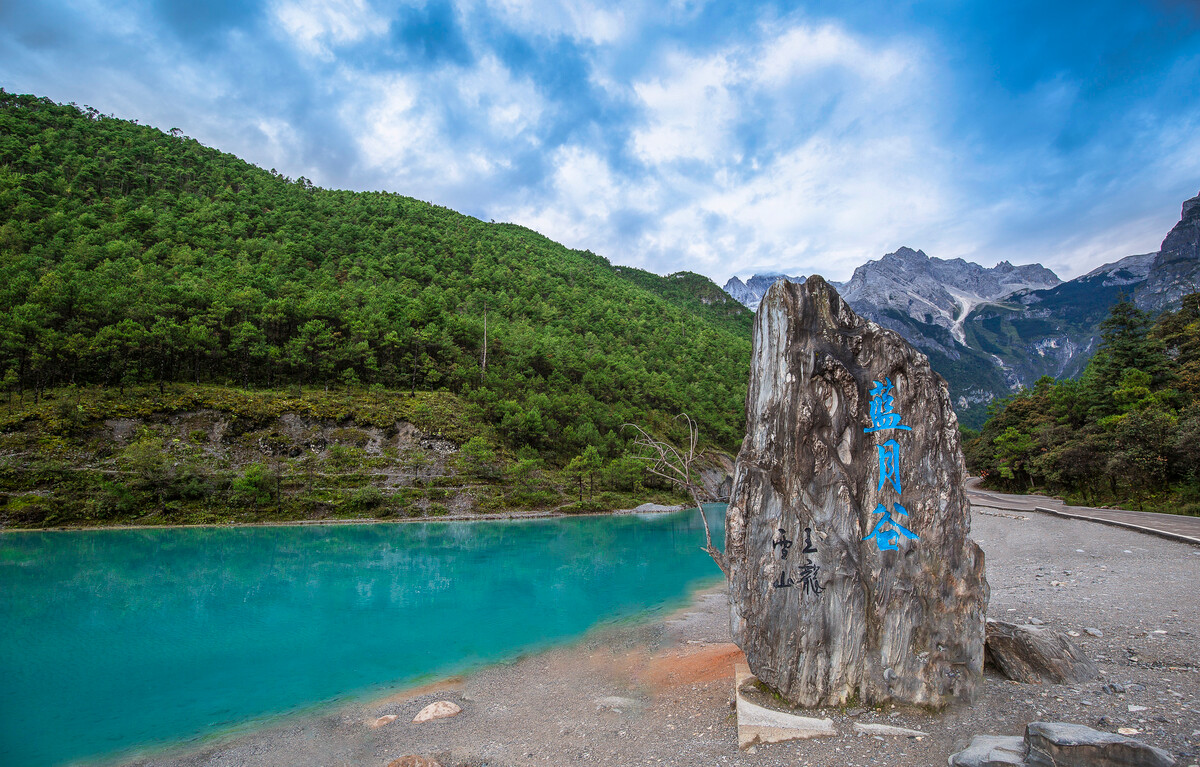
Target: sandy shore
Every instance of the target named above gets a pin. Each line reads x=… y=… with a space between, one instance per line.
x=675 y=676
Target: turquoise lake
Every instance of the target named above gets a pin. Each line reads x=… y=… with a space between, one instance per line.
x=115 y=641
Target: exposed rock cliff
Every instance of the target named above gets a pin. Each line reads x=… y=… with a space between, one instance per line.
x=1176 y=269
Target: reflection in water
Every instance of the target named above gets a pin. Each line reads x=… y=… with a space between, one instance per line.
x=146 y=636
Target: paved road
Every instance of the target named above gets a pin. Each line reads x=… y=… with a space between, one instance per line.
x=1174 y=526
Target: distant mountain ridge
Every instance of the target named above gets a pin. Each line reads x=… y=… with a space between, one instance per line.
x=936 y=291
x=751 y=292
x=990 y=331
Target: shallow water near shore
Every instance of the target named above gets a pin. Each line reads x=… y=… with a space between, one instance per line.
x=118 y=640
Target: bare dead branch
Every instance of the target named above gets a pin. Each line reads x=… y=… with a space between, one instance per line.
x=670 y=463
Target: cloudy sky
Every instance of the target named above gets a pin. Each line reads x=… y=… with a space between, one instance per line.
x=725 y=138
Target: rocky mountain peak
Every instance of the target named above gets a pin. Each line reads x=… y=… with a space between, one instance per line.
x=1188 y=205
x=936 y=291
x=1176 y=269
x=752 y=290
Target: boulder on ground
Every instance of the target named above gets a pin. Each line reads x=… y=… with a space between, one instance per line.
x=1036 y=655
x=619 y=704
x=381 y=721
x=439 y=710
x=1058 y=744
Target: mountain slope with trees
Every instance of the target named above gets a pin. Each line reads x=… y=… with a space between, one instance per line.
x=1127 y=431
x=132 y=257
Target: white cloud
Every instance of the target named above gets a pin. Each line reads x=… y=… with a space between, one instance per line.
x=805 y=50
x=396 y=132
x=408 y=132
x=511 y=106
x=689 y=110
x=580 y=20
x=317 y=26
x=805 y=149
x=584 y=193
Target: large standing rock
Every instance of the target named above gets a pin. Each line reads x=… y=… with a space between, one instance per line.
x=830 y=602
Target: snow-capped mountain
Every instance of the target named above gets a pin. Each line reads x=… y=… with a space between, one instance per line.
x=935 y=291
x=752 y=290
x=990 y=331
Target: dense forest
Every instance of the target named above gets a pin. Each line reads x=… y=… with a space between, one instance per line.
x=1126 y=432
x=186 y=337
x=129 y=255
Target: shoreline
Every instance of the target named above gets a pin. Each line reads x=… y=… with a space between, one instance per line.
x=658 y=692
x=495 y=516
x=350 y=707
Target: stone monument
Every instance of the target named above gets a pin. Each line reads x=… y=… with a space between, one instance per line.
x=852 y=576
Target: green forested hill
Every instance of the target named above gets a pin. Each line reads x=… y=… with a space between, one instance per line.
x=1127 y=431
x=132 y=256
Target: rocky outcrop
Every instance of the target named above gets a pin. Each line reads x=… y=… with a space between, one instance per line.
x=1036 y=655
x=851 y=571
x=1057 y=744
x=1176 y=269
x=716 y=476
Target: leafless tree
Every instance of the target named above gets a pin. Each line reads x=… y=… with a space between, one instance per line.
x=677 y=466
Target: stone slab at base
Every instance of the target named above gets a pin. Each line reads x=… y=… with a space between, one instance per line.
x=758 y=724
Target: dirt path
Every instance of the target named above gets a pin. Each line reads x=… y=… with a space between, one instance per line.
x=675 y=675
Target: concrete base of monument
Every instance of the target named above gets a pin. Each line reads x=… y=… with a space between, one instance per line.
x=757 y=723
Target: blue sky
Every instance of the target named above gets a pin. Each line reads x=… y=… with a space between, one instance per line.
x=723 y=138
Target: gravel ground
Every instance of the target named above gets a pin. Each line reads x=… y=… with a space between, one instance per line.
x=1138 y=592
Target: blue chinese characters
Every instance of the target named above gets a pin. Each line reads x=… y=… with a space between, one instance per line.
x=886 y=539
x=887 y=529
x=882 y=402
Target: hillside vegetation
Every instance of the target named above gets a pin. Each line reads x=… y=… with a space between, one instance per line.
x=130 y=258
x=1126 y=432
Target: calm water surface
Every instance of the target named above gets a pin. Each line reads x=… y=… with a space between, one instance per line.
x=125 y=639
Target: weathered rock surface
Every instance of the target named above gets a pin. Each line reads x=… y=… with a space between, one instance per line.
x=1058 y=744
x=442 y=709
x=717 y=476
x=828 y=600
x=381 y=721
x=1036 y=655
